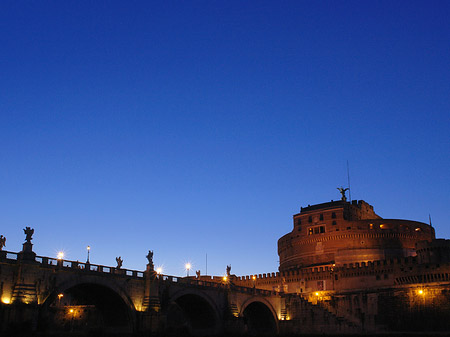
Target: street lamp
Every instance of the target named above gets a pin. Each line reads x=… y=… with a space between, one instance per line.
x=187 y=266
x=88 y=250
x=59 y=298
x=60 y=255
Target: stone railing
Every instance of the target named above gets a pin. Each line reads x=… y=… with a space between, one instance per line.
x=50 y=262
x=210 y=284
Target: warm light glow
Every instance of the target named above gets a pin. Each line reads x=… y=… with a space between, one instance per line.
x=418 y=229
x=420 y=292
x=159 y=270
x=225 y=278
x=88 y=247
x=60 y=255
x=71 y=311
x=254 y=277
x=6 y=300
x=187 y=266
x=60 y=296
x=317 y=294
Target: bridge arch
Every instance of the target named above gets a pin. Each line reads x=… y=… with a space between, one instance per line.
x=259 y=316
x=193 y=312
x=92 y=302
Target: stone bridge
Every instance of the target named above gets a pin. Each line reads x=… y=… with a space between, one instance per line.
x=47 y=295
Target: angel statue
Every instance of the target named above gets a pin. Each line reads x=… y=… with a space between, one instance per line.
x=29 y=233
x=2 y=242
x=342 y=190
x=228 y=270
x=197 y=273
x=150 y=257
x=119 y=262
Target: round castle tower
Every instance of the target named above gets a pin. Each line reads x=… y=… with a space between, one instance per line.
x=339 y=232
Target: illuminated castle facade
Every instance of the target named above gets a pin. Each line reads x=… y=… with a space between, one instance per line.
x=340 y=232
x=380 y=274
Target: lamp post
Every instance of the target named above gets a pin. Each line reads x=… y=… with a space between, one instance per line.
x=188 y=266
x=59 y=262
x=88 y=250
x=59 y=298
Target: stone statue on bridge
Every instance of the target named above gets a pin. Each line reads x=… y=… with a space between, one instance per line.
x=197 y=273
x=2 y=242
x=119 y=262
x=228 y=270
x=150 y=265
x=150 y=257
x=29 y=233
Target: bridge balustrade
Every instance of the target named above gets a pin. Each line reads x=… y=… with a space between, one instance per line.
x=202 y=283
x=11 y=256
x=68 y=264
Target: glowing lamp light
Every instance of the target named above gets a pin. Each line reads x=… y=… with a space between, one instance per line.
x=60 y=296
x=420 y=292
x=254 y=277
x=71 y=311
x=6 y=300
x=317 y=294
x=225 y=278
x=159 y=270
x=187 y=266
x=60 y=255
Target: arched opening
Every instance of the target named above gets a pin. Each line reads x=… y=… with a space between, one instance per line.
x=86 y=308
x=191 y=315
x=259 y=320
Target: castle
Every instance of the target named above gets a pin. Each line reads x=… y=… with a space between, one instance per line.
x=380 y=274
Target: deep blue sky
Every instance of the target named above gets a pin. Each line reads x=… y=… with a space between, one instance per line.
x=201 y=127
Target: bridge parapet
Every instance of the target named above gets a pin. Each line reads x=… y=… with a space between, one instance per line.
x=49 y=262
x=222 y=285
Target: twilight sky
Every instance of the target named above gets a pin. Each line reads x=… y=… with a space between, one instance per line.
x=201 y=127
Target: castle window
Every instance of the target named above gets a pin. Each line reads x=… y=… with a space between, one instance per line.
x=333 y=215
x=299 y=229
x=334 y=223
x=418 y=229
x=316 y=230
x=321 y=217
x=299 y=222
x=371 y=226
x=310 y=218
